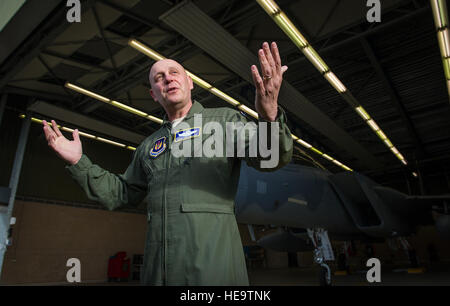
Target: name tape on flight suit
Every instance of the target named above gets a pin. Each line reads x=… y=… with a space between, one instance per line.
x=187 y=134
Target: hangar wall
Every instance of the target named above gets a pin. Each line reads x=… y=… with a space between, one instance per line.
x=43 y=174
x=47 y=235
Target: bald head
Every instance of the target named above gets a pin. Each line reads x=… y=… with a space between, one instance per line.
x=162 y=64
x=170 y=85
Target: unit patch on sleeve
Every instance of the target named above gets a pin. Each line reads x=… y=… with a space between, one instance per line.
x=159 y=147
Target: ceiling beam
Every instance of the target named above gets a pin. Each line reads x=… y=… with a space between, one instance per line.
x=105 y=41
x=55 y=77
x=75 y=61
x=82 y=121
x=355 y=37
x=133 y=71
x=327 y=19
x=205 y=32
x=136 y=17
x=36 y=93
x=43 y=36
x=395 y=98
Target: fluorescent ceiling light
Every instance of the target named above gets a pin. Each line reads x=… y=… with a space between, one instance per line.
x=64 y=115
x=86 y=92
x=381 y=135
x=205 y=85
x=224 y=96
x=69 y=130
x=249 y=111
x=122 y=106
x=315 y=59
x=335 y=82
x=388 y=143
x=307 y=145
x=155 y=119
x=414 y=174
x=439 y=8
x=269 y=6
x=394 y=150
x=199 y=81
x=213 y=90
x=129 y=109
x=440 y=14
x=297 y=38
x=373 y=125
x=337 y=163
x=346 y=168
x=446 y=63
x=328 y=157
x=362 y=112
x=66 y=129
x=106 y=100
x=444 y=43
x=290 y=30
x=87 y=135
x=304 y=143
x=400 y=156
x=315 y=150
x=111 y=142
x=144 y=49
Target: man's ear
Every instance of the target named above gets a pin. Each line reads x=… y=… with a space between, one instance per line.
x=191 y=83
x=153 y=95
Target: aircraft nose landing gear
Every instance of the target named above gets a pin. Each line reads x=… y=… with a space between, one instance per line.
x=324 y=272
x=323 y=252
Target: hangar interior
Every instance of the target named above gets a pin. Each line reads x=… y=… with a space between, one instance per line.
x=392 y=68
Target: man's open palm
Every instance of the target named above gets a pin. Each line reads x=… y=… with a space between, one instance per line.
x=69 y=150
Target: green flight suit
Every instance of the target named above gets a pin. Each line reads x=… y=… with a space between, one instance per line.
x=192 y=237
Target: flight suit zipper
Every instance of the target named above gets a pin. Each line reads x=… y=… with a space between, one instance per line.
x=164 y=208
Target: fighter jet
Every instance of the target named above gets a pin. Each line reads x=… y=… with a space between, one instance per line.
x=307 y=203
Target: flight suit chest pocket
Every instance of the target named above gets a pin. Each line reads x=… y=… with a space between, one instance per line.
x=155 y=164
x=206 y=208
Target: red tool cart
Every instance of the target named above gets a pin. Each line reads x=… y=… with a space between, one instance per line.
x=119 y=267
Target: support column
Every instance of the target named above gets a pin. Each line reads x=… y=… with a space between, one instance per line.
x=5 y=214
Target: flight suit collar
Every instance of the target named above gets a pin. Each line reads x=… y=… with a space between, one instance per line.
x=196 y=108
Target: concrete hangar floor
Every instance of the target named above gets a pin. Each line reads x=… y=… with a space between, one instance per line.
x=436 y=275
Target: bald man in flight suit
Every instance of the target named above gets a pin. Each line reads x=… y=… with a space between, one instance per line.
x=193 y=237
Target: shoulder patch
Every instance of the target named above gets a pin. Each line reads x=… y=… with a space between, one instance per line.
x=159 y=147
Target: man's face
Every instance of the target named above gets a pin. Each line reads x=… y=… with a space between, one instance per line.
x=170 y=83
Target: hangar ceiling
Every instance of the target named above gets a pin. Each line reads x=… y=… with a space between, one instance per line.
x=393 y=69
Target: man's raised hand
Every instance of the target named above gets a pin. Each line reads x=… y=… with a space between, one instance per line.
x=69 y=150
x=268 y=86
